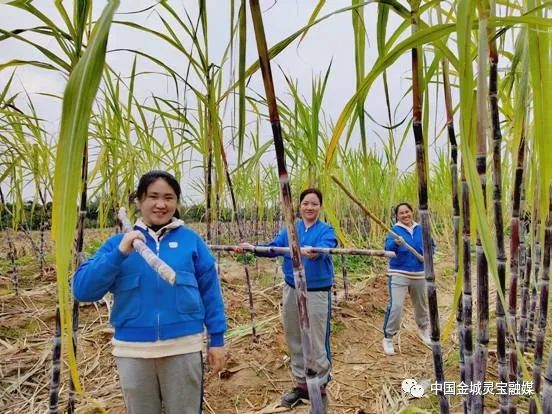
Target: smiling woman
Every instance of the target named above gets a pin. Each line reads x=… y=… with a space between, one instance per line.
x=158 y=327
x=319 y=273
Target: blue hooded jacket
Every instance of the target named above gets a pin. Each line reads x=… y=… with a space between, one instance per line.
x=147 y=308
x=319 y=272
x=405 y=260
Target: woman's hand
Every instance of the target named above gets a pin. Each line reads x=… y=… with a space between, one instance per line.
x=125 y=246
x=241 y=250
x=308 y=253
x=216 y=356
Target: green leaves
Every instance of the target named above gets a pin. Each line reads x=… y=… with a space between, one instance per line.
x=77 y=106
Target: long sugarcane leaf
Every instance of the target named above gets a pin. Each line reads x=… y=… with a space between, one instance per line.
x=77 y=106
x=313 y=17
x=418 y=38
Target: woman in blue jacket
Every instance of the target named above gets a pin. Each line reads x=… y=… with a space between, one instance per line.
x=405 y=274
x=158 y=327
x=319 y=273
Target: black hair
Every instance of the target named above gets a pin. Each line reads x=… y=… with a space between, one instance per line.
x=311 y=191
x=149 y=178
x=402 y=204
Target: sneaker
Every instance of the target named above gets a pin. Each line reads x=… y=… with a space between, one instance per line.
x=293 y=397
x=388 y=348
x=424 y=336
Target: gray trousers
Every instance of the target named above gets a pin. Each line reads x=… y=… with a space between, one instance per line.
x=398 y=287
x=174 y=383
x=319 y=309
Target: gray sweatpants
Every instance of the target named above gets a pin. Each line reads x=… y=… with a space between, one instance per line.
x=174 y=383
x=398 y=287
x=319 y=309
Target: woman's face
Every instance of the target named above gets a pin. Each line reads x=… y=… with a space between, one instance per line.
x=158 y=205
x=404 y=215
x=310 y=207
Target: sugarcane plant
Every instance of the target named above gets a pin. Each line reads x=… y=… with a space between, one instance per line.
x=287 y=207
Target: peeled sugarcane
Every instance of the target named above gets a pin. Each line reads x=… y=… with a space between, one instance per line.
x=501 y=326
x=515 y=252
x=166 y=273
x=286 y=250
x=376 y=219
x=543 y=308
x=422 y=173
x=317 y=405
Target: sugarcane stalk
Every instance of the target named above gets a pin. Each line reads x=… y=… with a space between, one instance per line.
x=481 y=351
x=79 y=244
x=515 y=253
x=376 y=219
x=543 y=308
x=501 y=327
x=547 y=386
x=285 y=191
x=56 y=366
x=345 y=277
x=286 y=250
x=534 y=281
x=455 y=213
x=525 y=287
x=422 y=174
x=12 y=251
x=241 y=238
x=467 y=300
x=166 y=273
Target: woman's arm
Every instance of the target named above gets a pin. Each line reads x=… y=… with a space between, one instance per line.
x=211 y=295
x=93 y=279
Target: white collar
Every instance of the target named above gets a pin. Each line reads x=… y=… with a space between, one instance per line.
x=173 y=224
x=409 y=229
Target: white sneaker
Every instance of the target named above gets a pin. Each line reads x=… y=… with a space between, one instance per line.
x=424 y=336
x=388 y=348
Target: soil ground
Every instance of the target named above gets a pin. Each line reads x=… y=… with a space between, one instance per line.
x=257 y=373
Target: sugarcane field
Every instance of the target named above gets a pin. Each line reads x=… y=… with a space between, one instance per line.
x=259 y=207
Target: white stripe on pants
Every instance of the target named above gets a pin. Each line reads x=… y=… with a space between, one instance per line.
x=174 y=382
x=398 y=286
x=318 y=307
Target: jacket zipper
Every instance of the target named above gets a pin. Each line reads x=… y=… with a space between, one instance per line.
x=158 y=327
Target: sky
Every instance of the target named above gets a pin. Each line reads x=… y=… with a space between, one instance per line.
x=329 y=42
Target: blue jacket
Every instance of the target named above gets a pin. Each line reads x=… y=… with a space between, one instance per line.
x=147 y=308
x=319 y=272
x=405 y=260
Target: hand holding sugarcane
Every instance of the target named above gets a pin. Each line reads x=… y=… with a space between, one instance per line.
x=131 y=241
x=125 y=246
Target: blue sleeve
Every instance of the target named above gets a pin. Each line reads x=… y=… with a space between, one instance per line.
x=327 y=239
x=94 y=278
x=390 y=244
x=211 y=295
x=281 y=240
